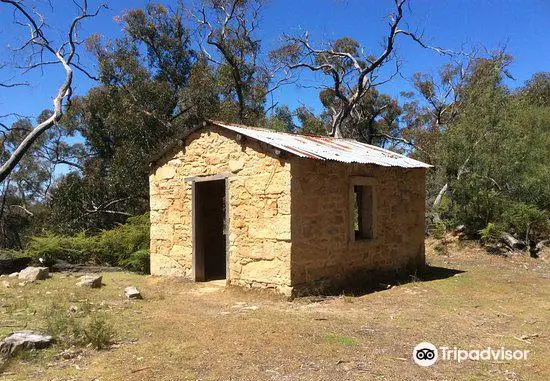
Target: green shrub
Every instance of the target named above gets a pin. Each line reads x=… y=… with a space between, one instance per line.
x=64 y=328
x=490 y=234
x=69 y=330
x=138 y=261
x=51 y=246
x=438 y=229
x=126 y=245
x=528 y=221
x=98 y=333
x=117 y=245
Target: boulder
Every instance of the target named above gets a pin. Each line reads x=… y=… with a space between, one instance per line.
x=132 y=293
x=13 y=275
x=92 y=281
x=32 y=274
x=24 y=340
x=6 y=284
x=10 y=264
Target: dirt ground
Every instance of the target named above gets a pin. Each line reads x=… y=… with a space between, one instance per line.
x=187 y=331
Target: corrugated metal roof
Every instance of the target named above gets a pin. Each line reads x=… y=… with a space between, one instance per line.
x=325 y=148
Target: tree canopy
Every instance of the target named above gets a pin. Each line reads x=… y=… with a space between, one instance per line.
x=171 y=68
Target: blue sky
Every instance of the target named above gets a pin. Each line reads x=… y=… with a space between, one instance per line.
x=523 y=26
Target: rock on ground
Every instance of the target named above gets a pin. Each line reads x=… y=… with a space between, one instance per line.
x=132 y=293
x=32 y=274
x=24 y=340
x=92 y=281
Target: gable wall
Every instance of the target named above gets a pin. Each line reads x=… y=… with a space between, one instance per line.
x=324 y=254
x=259 y=208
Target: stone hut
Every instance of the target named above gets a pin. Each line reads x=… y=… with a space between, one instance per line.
x=295 y=213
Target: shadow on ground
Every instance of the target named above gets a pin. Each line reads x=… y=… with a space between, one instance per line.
x=359 y=288
x=435 y=272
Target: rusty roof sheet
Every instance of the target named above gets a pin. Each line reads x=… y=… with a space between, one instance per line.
x=325 y=148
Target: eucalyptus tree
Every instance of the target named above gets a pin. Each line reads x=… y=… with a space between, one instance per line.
x=228 y=39
x=135 y=109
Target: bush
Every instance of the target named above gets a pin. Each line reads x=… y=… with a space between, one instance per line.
x=117 y=245
x=98 y=333
x=60 y=326
x=50 y=246
x=126 y=245
x=527 y=221
x=491 y=234
x=68 y=331
x=437 y=229
x=138 y=261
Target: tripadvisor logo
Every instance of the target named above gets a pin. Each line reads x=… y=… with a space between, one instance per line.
x=426 y=354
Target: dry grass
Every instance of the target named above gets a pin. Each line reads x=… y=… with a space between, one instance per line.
x=192 y=331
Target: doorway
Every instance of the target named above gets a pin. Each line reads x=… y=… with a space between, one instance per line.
x=209 y=230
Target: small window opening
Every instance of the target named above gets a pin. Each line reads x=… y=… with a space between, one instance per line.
x=363 y=211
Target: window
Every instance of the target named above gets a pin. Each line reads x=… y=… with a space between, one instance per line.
x=362 y=209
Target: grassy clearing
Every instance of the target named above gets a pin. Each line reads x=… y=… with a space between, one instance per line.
x=189 y=331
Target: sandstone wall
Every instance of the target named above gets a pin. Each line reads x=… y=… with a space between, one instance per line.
x=324 y=252
x=259 y=208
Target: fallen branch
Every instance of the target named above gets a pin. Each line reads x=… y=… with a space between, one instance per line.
x=140 y=369
x=522 y=340
x=512 y=243
x=536 y=248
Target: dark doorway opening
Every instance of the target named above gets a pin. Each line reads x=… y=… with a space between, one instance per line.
x=209 y=236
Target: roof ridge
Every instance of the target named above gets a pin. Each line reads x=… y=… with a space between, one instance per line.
x=219 y=122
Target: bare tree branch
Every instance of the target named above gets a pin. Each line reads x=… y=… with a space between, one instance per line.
x=14 y=84
x=104 y=208
x=23 y=209
x=35 y=23
x=352 y=73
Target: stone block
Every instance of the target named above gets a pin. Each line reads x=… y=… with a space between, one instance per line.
x=164 y=265
x=160 y=203
x=166 y=172
x=91 y=281
x=162 y=231
x=23 y=340
x=236 y=166
x=132 y=292
x=181 y=252
x=261 y=271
